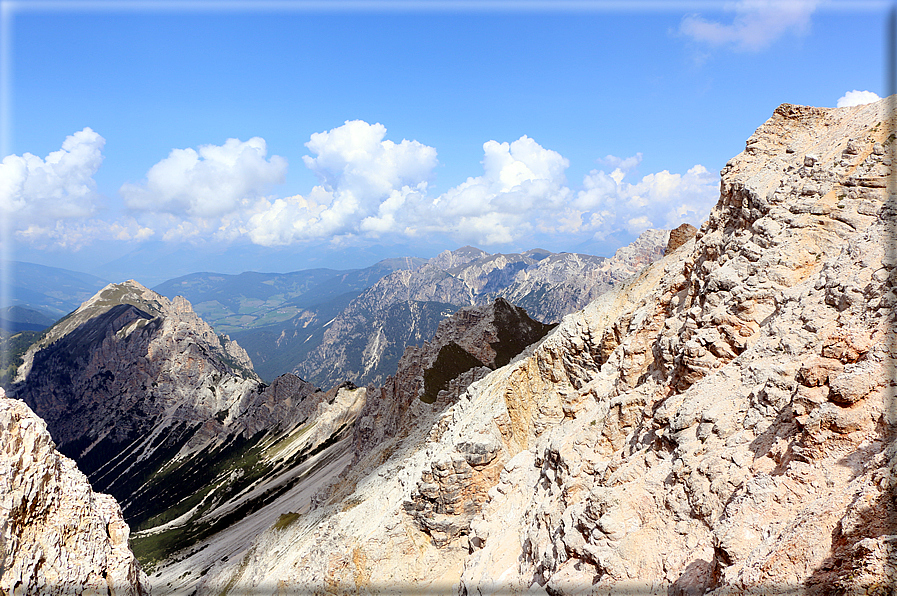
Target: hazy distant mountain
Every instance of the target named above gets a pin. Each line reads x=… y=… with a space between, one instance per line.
x=330 y=326
x=364 y=342
x=50 y=290
x=155 y=262
x=232 y=303
x=14 y=319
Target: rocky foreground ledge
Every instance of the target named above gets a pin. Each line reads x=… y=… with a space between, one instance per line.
x=57 y=536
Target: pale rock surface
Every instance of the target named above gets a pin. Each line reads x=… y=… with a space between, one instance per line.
x=57 y=536
x=722 y=423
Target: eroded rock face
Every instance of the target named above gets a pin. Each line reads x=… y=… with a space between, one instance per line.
x=57 y=536
x=720 y=423
x=430 y=377
x=737 y=428
x=466 y=347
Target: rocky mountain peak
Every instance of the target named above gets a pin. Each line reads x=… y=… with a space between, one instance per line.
x=127 y=369
x=404 y=307
x=176 y=314
x=454 y=258
x=721 y=423
x=466 y=346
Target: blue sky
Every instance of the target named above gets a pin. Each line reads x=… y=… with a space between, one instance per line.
x=225 y=137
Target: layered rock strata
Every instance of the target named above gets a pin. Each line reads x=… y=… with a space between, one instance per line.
x=722 y=423
x=57 y=536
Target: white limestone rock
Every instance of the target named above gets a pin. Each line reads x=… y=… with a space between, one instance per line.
x=718 y=424
x=57 y=536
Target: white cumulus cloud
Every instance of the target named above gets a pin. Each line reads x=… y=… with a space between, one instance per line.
x=857 y=98
x=757 y=24
x=75 y=234
x=374 y=188
x=520 y=180
x=607 y=203
x=37 y=192
x=370 y=188
x=210 y=182
x=367 y=185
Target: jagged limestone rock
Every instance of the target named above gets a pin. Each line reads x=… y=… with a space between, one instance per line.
x=57 y=535
x=688 y=432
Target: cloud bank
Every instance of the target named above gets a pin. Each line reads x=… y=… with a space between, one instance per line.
x=369 y=188
x=210 y=182
x=367 y=185
x=756 y=26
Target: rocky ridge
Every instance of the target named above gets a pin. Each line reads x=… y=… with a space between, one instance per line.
x=364 y=342
x=57 y=536
x=466 y=347
x=167 y=416
x=201 y=455
x=130 y=369
x=720 y=424
x=430 y=377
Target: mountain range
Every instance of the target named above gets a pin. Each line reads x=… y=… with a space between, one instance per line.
x=329 y=326
x=717 y=419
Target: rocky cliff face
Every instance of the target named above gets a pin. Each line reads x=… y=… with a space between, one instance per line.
x=364 y=342
x=465 y=347
x=430 y=377
x=168 y=417
x=722 y=423
x=57 y=536
x=127 y=371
